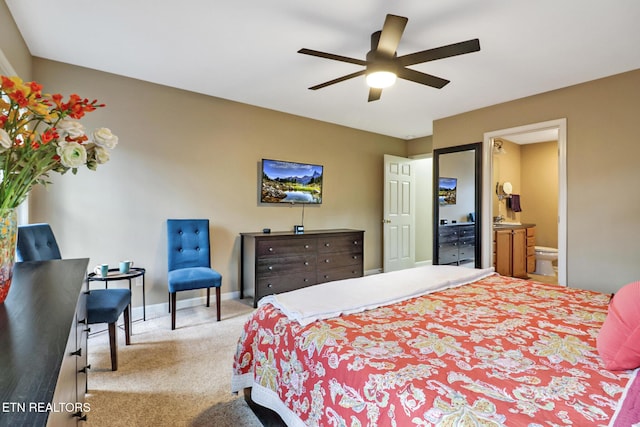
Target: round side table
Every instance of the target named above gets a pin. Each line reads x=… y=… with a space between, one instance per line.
x=114 y=275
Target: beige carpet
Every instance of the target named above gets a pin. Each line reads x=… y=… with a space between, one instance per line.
x=170 y=378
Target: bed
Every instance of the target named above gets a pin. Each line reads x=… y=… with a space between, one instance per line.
x=434 y=346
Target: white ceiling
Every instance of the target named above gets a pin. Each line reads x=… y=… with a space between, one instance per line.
x=246 y=51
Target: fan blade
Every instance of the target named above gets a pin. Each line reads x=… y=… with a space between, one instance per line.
x=332 y=56
x=422 y=78
x=338 y=80
x=440 y=52
x=391 y=34
x=374 y=94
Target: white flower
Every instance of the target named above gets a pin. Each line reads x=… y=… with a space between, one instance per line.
x=104 y=138
x=102 y=155
x=70 y=127
x=5 y=140
x=72 y=154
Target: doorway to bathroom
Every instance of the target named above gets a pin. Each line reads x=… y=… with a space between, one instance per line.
x=496 y=174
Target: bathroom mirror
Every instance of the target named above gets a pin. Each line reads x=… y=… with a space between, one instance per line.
x=456 y=227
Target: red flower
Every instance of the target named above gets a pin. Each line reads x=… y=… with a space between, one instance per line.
x=49 y=135
x=7 y=83
x=19 y=98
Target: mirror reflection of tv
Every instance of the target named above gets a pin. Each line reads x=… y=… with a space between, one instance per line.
x=290 y=182
x=447 y=190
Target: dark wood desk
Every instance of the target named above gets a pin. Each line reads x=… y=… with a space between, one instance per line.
x=43 y=344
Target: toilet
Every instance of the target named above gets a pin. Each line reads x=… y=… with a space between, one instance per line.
x=544 y=260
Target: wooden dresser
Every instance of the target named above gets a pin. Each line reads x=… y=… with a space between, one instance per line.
x=283 y=261
x=456 y=243
x=43 y=345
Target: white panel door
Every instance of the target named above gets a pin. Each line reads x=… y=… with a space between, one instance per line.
x=399 y=214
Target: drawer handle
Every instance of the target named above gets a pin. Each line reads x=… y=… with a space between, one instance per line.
x=270 y=249
x=87 y=330
x=355 y=242
x=78 y=352
x=305 y=280
x=270 y=268
x=83 y=321
x=326 y=261
x=327 y=245
x=306 y=246
x=306 y=263
x=326 y=276
x=355 y=257
x=85 y=369
x=269 y=285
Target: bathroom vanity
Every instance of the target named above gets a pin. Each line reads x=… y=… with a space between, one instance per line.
x=514 y=249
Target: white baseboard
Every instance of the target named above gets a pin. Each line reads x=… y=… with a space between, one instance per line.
x=162 y=309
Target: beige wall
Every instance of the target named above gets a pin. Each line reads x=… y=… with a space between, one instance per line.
x=183 y=154
x=603 y=148
x=507 y=168
x=12 y=45
x=539 y=173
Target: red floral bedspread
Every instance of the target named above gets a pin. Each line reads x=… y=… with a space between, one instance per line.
x=497 y=352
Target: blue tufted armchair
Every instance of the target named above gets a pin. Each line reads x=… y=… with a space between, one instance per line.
x=36 y=242
x=189 y=261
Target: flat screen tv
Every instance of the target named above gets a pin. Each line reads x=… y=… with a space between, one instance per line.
x=290 y=182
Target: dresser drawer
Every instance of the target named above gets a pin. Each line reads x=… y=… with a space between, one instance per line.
x=448 y=254
x=344 y=243
x=331 y=261
x=467 y=231
x=466 y=250
x=285 y=283
x=285 y=265
x=284 y=247
x=348 y=272
x=448 y=233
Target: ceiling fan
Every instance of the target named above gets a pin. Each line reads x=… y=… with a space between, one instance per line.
x=383 y=65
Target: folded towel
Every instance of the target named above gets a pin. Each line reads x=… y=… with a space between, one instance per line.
x=514 y=203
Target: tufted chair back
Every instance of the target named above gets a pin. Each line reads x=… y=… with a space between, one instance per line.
x=188 y=243
x=36 y=242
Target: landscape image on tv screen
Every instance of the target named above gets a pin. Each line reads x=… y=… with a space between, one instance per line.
x=290 y=182
x=447 y=191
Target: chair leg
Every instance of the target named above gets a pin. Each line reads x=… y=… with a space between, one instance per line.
x=127 y=326
x=169 y=302
x=113 y=344
x=173 y=310
x=218 y=302
x=208 y=296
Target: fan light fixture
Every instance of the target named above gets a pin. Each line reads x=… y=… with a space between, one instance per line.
x=381 y=79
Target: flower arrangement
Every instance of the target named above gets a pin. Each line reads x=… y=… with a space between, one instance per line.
x=40 y=133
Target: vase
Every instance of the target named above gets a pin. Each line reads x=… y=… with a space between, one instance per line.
x=8 y=238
